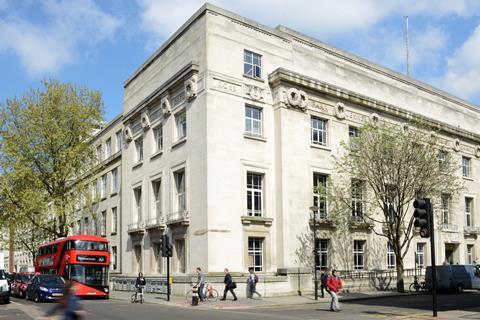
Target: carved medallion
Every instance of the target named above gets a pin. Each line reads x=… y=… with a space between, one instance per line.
x=456 y=145
x=297 y=98
x=191 y=88
x=165 y=105
x=255 y=93
x=340 y=111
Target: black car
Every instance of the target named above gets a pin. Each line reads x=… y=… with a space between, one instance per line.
x=45 y=287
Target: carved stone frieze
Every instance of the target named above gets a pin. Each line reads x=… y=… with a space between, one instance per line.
x=374 y=117
x=165 y=105
x=191 y=88
x=456 y=145
x=254 y=92
x=145 y=120
x=340 y=111
x=296 y=98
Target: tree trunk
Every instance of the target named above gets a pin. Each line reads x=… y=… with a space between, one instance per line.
x=400 y=269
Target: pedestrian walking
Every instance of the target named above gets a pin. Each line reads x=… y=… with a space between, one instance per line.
x=229 y=286
x=252 y=281
x=200 y=283
x=323 y=282
x=334 y=284
x=68 y=306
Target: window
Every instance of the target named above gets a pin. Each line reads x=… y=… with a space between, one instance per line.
x=181 y=258
x=255 y=253
x=442 y=159
x=100 y=154
x=181 y=123
x=114 y=258
x=420 y=255
x=469 y=253
x=96 y=192
x=353 y=132
x=357 y=197
x=179 y=177
x=137 y=192
x=94 y=226
x=86 y=226
x=320 y=194
x=114 y=220
x=254 y=194
x=319 y=131
x=253 y=120
x=445 y=209
x=118 y=139
x=321 y=248
x=115 y=180
x=252 y=64
x=157 y=197
x=138 y=150
x=103 y=189
x=466 y=166
x=391 y=261
x=103 y=223
x=108 y=147
x=358 y=254
x=468 y=211
x=158 y=136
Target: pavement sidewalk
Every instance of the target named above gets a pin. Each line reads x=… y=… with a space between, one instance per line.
x=243 y=303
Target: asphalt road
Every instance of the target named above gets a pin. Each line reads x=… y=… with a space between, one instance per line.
x=381 y=308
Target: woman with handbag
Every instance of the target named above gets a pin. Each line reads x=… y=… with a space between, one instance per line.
x=229 y=286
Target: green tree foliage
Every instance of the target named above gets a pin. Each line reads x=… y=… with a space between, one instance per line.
x=394 y=164
x=45 y=153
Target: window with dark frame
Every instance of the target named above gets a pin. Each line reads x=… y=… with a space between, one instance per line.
x=253 y=120
x=319 y=195
x=252 y=64
x=255 y=253
x=321 y=250
x=319 y=131
x=358 y=254
x=254 y=194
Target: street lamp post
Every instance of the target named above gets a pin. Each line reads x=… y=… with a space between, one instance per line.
x=314 y=210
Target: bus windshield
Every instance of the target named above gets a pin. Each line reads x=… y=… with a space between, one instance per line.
x=87 y=245
x=89 y=275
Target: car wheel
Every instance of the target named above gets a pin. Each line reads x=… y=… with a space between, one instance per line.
x=460 y=289
x=37 y=298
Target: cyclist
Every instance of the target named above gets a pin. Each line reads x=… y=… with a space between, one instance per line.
x=200 y=283
x=139 y=284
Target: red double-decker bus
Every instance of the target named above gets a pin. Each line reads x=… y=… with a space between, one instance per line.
x=84 y=259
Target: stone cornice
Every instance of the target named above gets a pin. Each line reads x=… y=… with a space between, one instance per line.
x=187 y=70
x=281 y=75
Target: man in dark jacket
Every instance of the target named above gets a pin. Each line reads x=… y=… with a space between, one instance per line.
x=323 y=282
x=139 y=283
x=229 y=286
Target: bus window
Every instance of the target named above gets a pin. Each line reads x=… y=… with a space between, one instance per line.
x=88 y=245
x=55 y=248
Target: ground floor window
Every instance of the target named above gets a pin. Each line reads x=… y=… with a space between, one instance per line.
x=321 y=250
x=391 y=262
x=180 y=256
x=255 y=253
x=114 y=258
x=358 y=254
x=420 y=255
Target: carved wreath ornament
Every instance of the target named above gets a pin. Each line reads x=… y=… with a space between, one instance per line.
x=297 y=98
x=340 y=111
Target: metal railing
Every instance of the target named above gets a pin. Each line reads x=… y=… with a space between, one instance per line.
x=471 y=229
x=177 y=216
x=157 y=221
x=135 y=226
x=368 y=274
x=450 y=227
x=153 y=285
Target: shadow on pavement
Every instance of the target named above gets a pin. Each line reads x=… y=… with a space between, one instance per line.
x=445 y=302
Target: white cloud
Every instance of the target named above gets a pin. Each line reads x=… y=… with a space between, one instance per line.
x=463 y=69
x=68 y=26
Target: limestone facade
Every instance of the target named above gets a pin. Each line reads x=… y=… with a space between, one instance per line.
x=230 y=124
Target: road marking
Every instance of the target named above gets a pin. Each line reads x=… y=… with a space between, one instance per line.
x=18 y=304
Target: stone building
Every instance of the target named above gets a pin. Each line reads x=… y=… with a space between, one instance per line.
x=229 y=127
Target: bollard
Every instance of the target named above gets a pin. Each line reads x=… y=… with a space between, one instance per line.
x=195 y=296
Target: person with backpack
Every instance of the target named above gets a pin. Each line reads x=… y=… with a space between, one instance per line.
x=323 y=282
x=334 y=284
x=252 y=281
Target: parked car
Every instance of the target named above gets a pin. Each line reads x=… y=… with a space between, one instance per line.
x=456 y=277
x=20 y=283
x=45 y=287
x=4 y=291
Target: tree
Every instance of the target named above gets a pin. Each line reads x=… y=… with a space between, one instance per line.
x=45 y=151
x=393 y=165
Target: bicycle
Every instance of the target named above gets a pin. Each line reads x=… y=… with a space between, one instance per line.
x=209 y=292
x=138 y=295
x=417 y=286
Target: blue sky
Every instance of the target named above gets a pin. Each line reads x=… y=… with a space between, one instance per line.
x=100 y=43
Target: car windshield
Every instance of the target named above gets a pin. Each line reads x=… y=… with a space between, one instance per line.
x=89 y=275
x=3 y=276
x=51 y=280
x=88 y=245
x=27 y=277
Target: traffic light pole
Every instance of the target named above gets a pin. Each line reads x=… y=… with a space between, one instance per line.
x=432 y=249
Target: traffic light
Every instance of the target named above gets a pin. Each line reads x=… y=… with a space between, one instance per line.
x=422 y=213
x=166 y=246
